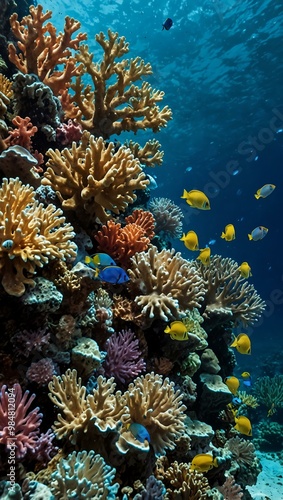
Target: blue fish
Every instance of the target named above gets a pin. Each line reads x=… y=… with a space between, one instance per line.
x=152 y=182
x=99 y=260
x=113 y=274
x=167 y=24
x=139 y=432
x=248 y=382
x=236 y=401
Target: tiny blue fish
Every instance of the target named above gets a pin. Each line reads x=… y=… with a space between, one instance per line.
x=139 y=432
x=113 y=274
x=152 y=182
x=167 y=24
x=248 y=382
x=236 y=401
x=99 y=260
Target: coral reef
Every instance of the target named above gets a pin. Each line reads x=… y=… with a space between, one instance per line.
x=269 y=392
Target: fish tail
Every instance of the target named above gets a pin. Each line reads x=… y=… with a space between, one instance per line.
x=87 y=259
x=185 y=194
x=223 y=235
x=250 y=237
x=215 y=462
x=257 y=196
x=167 y=329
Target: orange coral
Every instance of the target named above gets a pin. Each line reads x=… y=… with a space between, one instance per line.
x=42 y=50
x=124 y=242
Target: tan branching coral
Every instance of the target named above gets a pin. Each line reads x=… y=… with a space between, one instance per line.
x=243 y=451
x=30 y=235
x=185 y=484
x=113 y=103
x=229 y=297
x=6 y=86
x=102 y=409
x=42 y=50
x=164 y=284
x=154 y=403
x=93 y=178
x=149 y=155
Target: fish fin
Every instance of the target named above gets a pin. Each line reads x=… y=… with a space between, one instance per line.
x=183 y=237
x=96 y=260
x=87 y=259
x=250 y=237
x=185 y=194
x=215 y=462
x=222 y=236
x=167 y=329
x=257 y=196
x=234 y=343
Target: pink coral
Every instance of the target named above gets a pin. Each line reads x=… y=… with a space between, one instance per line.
x=69 y=132
x=123 y=360
x=42 y=371
x=27 y=342
x=45 y=449
x=18 y=429
x=231 y=490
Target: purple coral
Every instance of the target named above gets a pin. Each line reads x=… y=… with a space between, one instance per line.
x=45 y=449
x=230 y=489
x=123 y=360
x=29 y=341
x=18 y=428
x=42 y=371
x=168 y=217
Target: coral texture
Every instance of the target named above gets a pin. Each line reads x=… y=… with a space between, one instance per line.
x=114 y=103
x=164 y=284
x=30 y=235
x=94 y=178
x=168 y=217
x=269 y=392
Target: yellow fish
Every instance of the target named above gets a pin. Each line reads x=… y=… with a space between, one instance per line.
x=177 y=331
x=245 y=270
x=190 y=240
x=204 y=256
x=229 y=233
x=242 y=344
x=258 y=233
x=196 y=199
x=265 y=191
x=203 y=462
x=245 y=375
x=233 y=384
x=243 y=425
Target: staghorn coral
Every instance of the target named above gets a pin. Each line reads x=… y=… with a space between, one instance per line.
x=93 y=178
x=149 y=155
x=269 y=392
x=185 y=484
x=168 y=217
x=229 y=297
x=84 y=475
x=30 y=235
x=113 y=103
x=154 y=403
x=248 y=399
x=123 y=359
x=164 y=284
x=18 y=429
x=42 y=50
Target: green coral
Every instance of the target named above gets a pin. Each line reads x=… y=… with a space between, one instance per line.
x=192 y=322
x=269 y=392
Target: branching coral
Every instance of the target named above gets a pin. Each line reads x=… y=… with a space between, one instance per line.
x=93 y=178
x=243 y=451
x=269 y=392
x=229 y=297
x=164 y=284
x=231 y=490
x=84 y=475
x=42 y=50
x=106 y=108
x=18 y=429
x=149 y=155
x=153 y=403
x=123 y=360
x=124 y=242
x=168 y=217
x=30 y=235
x=185 y=484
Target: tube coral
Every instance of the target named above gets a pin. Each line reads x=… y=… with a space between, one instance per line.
x=93 y=178
x=30 y=235
x=109 y=108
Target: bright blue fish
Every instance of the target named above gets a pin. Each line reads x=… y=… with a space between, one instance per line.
x=236 y=401
x=248 y=382
x=113 y=274
x=99 y=260
x=140 y=432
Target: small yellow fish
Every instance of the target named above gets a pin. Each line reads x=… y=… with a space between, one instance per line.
x=245 y=375
x=196 y=199
x=204 y=256
x=233 y=384
x=265 y=191
x=229 y=233
x=271 y=410
x=258 y=233
x=203 y=462
x=242 y=344
x=190 y=240
x=177 y=331
x=243 y=425
x=245 y=270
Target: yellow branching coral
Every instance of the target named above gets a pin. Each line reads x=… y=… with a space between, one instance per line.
x=102 y=409
x=248 y=399
x=42 y=50
x=93 y=178
x=269 y=392
x=6 y=86
x=229 y=297
x=113 y=103
x=30 y=235
x=164 y=284
x=185 y=484
x=153 y=403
